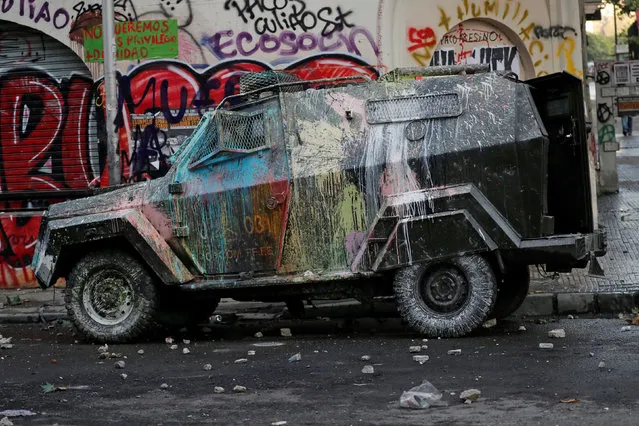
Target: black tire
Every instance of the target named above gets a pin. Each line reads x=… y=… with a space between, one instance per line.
x=448 y=298
x=513 y=289
x=111 y=297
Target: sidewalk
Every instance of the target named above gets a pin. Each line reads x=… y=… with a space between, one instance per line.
x=577 y=292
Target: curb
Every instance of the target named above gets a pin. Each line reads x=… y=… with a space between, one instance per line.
x=535 y=305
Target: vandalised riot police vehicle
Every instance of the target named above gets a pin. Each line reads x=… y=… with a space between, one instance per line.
x=440 y=190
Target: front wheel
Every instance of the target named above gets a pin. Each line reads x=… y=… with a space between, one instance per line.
x=448 y=298
x=111 y=297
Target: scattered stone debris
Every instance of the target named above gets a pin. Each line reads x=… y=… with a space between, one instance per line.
x=141 y=352
x=208 y=367
x=109 y=355
x=268 y=344
x=218 y=389
x=103 y=349
x=186 y=341
x=14 y=300
x=421 y=358
x=365 y=358
x=6 y=422
x=5 y=342
x=280 y=423
x=17 y=413
x=455 y=352
x=164 y=386
x=169 y=340
x=470 y=395
x=424 y=347
x=239 y=389
x=602 y=365
x=542 y=321
x=186 y=351
x=286 y=332
x=241 y=361
x=559 y=333
x=173 y=347
x=295 y=358
x=414 y=349
x=490 y=323
x=632 y=319
x=120 y=364
x=571 y=317
x=124 y=376
x=569 y=401
x=368 y=369
x=420 y=397
x=259 y=335
x=522 y=328
x=546 y=346
x=592 y=354
x=626 y=328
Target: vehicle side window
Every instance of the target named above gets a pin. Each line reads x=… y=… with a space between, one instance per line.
x=231 y=132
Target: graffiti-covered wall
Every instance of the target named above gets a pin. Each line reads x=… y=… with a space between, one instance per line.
x=51 y=99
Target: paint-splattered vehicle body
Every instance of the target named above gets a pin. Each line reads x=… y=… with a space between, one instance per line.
x=322 y=185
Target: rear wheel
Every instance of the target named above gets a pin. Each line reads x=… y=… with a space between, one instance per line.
x=513 y=290
x=447 y=298
x=111 y=297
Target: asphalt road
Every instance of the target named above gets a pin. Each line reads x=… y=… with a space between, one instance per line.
x=520 y=383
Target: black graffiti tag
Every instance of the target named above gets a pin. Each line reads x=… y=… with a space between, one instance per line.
x=603 y=113
x=603 y=77
x=274 y=16
x=555 y=31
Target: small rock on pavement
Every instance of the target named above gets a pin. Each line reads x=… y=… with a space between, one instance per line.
x=141 y=352
x=239 y=389
x=421 y=358
x=365 y=358
x=103 y=349
x=455 y=352
x=124 y=376
x=602 y=365
x=559 y=333
x=251 y=353
x=546 y=346
x=208 y=367
x=241 y=361
x=186 y=341
x=414 y=349
x=259 y=335
x=522 y=328
x=471 y=395
x=6 y=422
x=280 y=423
x=295 y=358
x=173 y=347
x=218 y=389
x=286 y=332
x=626 y=328
x=490 y=323
x=368 y=369
x=120 y=364
x=164 y=386
x=186 y=351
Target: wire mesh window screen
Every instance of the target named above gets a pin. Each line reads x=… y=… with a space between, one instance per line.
x=413 y=108
x=241 y=132
x=208 y=140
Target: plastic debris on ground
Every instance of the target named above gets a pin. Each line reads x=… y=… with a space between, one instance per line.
x=546 y=346
x=420 y=397
x=5 y=422
x=17 y=413
x=295 y=358
x=5 y=342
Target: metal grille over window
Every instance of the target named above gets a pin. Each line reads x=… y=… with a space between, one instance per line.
x=241 y=132
x=444 y=105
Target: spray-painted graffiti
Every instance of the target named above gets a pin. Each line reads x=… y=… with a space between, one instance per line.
x=273 y=16
x=39 y=12
x=422 y=42
x=504 y=58
x=555 y=31
x=228 y=44
x=87 y=14
x=607 y=134
x=16 y=49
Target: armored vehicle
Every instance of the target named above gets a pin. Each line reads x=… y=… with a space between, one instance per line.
x=438 y=186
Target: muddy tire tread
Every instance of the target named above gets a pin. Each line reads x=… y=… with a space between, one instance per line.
x=483 y=293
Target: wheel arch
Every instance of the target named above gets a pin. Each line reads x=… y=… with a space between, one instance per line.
x=129 y=230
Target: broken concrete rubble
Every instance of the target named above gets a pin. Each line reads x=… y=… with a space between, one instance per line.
x=471 y=395
x=559 y=333
x=368 y=369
